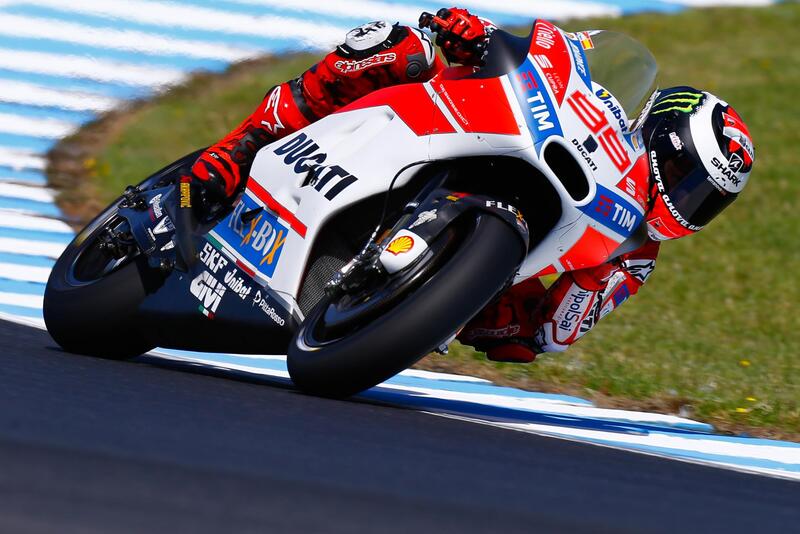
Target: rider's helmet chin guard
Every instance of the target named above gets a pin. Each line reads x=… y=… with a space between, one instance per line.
x=700 y=155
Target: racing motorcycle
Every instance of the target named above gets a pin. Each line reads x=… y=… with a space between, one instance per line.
x=368 y=239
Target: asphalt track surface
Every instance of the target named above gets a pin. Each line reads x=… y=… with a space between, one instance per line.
x=90 y=445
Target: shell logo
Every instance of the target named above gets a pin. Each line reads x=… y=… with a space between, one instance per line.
x=401 y=245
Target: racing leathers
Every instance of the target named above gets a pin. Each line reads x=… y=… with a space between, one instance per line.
x=529 y=318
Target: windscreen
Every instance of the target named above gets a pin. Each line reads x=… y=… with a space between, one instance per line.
x=624 y=67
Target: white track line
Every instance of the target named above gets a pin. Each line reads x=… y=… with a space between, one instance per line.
x=31 y=248
x=27 y=321
x=45 y=128
x=86 y=67
x=39 y=194
x=29 y=222
x=39 y=95
x=368 y=9
x=357 y=9
x=21 y=159
x=24 y=273
x=173 y=15
x=149 y=43
x=708 y=3
x=25 y=301
x=551 y=9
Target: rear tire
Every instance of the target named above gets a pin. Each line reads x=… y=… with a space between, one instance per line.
x=425 y=317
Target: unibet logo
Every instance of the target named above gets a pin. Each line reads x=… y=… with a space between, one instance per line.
x=401 y=245
x=207 y=290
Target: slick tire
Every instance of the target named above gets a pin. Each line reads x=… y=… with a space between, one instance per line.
x=467 y=280
x=97 y=317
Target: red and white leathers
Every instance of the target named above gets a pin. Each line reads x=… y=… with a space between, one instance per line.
x=528 y=318
x=373 y=56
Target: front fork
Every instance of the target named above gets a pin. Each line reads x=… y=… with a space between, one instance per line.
x=423 y=220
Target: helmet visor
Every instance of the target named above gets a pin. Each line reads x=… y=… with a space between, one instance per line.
x=687 y=183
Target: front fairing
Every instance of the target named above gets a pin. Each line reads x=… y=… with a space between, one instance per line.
x=541 y=95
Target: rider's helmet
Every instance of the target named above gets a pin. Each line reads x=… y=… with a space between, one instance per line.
x=700 y=154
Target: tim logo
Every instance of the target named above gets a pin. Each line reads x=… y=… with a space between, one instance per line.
x=208 y=291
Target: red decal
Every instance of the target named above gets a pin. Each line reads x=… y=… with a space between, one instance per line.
x=636 y=181
x=592 y=249
x=246 y=269
x=588 y=113
x=480 y=106
x=550 y=269
x=595 y=120
x=550 y=53
x=612 y=146
x=411 y=103
x=277 y=207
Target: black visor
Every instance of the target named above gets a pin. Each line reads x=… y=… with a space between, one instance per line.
x=684 y=177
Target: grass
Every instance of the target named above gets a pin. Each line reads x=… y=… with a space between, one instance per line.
x=715 y=330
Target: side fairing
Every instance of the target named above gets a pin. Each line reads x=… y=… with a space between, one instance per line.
x=298 y=183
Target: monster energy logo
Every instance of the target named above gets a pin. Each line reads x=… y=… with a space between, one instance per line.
x=683 y=102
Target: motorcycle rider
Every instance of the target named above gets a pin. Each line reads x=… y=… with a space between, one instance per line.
x=700 y=155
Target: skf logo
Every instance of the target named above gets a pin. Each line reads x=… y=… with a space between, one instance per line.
x=401 y=245
x=208 y=291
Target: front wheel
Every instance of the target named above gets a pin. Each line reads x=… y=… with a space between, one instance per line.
x=469 y=270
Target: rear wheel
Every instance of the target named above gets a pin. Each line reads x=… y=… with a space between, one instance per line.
x=354 y=342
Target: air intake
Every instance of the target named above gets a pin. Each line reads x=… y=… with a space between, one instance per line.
x=568 y=171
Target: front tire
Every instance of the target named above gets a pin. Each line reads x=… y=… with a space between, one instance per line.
x=425 y=317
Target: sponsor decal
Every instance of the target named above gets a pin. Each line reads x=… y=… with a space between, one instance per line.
x=613 y=211
x=186 y=195
x=545 y=36
x=401 y=245
x=273 y=105
x=508 y=331
x=424 y=217
x=738 y=135
x=672 y=209
x=156 y=210
x=637 y=181
x=585 y=154
x=637 y=124
x=639 y=269
x=304 y=156
x=676 y=141
x=260 y=240
x=620 y=295
x=571 y=310
x=208 y=291
x=268 y=310
x=585 y=39
x=347 y=66
x=730 y=179
x=682 y=102
x=368 y=35
x=164 y=226
x=598 y=124
x=237 y=284
x=608 y=99
x=511 y=209
x=540 y=115
x=579 y=58
x=212 y=258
